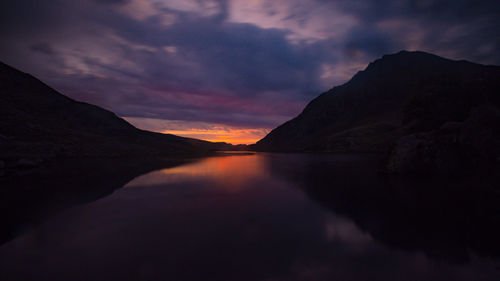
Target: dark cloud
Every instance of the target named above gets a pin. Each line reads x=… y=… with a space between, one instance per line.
x=371 y=42
x=43 y=48
x=112 y=1
x=201 y=60
x=435 y=10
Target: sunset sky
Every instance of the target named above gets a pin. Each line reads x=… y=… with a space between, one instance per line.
x=228 y=70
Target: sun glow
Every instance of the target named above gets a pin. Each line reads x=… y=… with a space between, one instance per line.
x=201 y=130
x=221 y=134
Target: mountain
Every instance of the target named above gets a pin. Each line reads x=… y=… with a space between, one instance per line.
x=406 y=103
x=37 y=123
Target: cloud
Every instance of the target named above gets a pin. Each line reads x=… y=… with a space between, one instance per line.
x=43 y=48
x=245 y=64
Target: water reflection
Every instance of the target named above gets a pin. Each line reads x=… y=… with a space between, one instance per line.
x=450 y=220
x=230 y=172
x=29 y=196
x=251 y=217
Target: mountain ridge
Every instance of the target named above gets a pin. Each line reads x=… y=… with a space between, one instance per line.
x=397 y=95
x=37 y=123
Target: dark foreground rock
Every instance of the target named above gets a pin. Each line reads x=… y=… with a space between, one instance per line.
x=456 y=147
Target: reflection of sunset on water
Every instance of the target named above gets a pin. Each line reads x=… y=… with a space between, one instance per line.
x=227 y=172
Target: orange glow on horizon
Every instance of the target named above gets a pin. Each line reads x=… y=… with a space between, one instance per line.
x=200 y=130
x=221 y=134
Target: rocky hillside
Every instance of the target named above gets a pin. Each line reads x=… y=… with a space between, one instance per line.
x=37 y=124
x=413 y=103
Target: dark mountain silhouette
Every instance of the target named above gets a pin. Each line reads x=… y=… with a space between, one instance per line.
x=428 y=110
x=37 y=123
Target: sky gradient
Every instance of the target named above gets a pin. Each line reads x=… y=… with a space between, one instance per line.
x=228 y=70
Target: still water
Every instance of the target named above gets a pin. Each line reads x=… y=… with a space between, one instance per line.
x=263 y=217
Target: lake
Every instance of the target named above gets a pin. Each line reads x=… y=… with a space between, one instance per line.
x=259 y=216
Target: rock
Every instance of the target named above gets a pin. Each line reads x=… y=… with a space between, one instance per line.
x=2 y=164
x=481 y=132
x=411 y=154
x=456 y=147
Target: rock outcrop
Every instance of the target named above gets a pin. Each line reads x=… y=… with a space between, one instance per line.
x=456 y=147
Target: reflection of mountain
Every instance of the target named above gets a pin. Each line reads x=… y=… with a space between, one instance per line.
x=449 y=220
x=448 y=110
x=183 y=223
x=37 y=123
x=32 y=195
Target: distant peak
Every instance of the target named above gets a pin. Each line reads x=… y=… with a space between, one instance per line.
x=404 y=58
x=404 y=52
x=410 y=54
